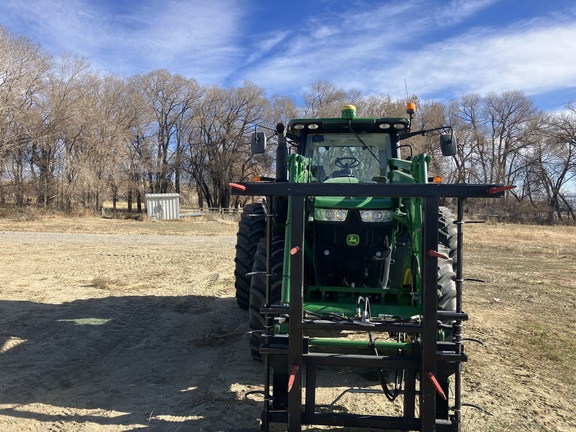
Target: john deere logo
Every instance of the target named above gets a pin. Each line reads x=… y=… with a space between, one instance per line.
x=352 y=239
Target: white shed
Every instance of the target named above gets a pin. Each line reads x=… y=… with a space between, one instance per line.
x=163 y=206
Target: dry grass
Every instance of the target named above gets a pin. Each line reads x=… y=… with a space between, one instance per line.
x=524 y=312
x=208 y=224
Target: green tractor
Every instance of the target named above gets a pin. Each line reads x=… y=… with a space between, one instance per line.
x=351 y=261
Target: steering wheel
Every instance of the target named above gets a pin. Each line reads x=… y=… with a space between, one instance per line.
x=346 y=162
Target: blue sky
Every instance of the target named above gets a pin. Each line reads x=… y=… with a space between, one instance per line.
x=443 y=49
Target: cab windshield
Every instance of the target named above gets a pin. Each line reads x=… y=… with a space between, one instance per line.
x=362 y=157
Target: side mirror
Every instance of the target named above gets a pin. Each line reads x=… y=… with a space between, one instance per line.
x=448 y=144
x=258 y=142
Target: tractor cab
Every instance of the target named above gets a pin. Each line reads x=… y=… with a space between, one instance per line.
x=352 y=235
x=344 y=158
x=347 y=146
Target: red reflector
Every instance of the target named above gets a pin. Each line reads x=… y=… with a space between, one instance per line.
x=238 y=186
x=436 y=384
x=437 y=254
x=292 y=378
x=499 y=189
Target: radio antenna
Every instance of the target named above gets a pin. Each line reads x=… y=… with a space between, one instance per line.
x=406 y=88
x=410 y=106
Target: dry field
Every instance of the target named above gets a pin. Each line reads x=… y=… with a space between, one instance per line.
x=114 y=325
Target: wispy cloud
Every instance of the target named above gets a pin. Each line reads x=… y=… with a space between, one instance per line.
x=355 y=46
x=190 y=36
x=265 y=44
x=442 y=49
x=534 y=56
x=457 y=11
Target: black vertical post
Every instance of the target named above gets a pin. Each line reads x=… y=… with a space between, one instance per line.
x=295 y=313
x=310 y=389
x=459 y=253
x=409 y=393
x=458 y=324
x=268 y=320
x=430 y=312
x=281 y=155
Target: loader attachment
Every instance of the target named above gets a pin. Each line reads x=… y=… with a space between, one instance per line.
x=408 y=328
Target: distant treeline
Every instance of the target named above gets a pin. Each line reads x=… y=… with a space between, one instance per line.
x=71 y=138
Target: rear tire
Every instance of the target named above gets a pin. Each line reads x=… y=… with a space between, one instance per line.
x=251 y=229
x=446 y=302
x=256 y=320
x=446 y=282
x=448 y=232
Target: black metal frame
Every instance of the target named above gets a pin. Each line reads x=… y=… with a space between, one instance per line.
x=427 y=357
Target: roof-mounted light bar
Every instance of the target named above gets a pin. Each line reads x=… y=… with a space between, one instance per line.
x=300 y=126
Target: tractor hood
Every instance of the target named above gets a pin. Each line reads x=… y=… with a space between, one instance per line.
x=352 y=202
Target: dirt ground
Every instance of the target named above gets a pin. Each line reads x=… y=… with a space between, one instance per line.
x=113 y=325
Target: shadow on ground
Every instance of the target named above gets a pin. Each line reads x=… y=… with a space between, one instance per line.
x=133 y=363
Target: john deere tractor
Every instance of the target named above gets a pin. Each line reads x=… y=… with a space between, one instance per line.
x=350 y=261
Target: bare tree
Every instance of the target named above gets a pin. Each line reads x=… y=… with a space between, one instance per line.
x=58 y=150
x=218 y=146
x=109 y=133
x=168 y=98
x=283 y=109
x=471 y=131
x=22 y=80
x=380 y=106
x=509 y=118
x=557 y=161
x=326 y=100
x=430 y=115
x=72 y=138
x=495 y=133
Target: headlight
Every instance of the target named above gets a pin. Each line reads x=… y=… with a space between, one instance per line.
x=376 y=215
x=330 y=215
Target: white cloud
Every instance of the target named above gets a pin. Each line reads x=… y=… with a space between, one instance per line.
x=360 y=46
x=458 y=10
x=534 y=56
x=437 y=46
x=194 y=36
x=266 y=44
